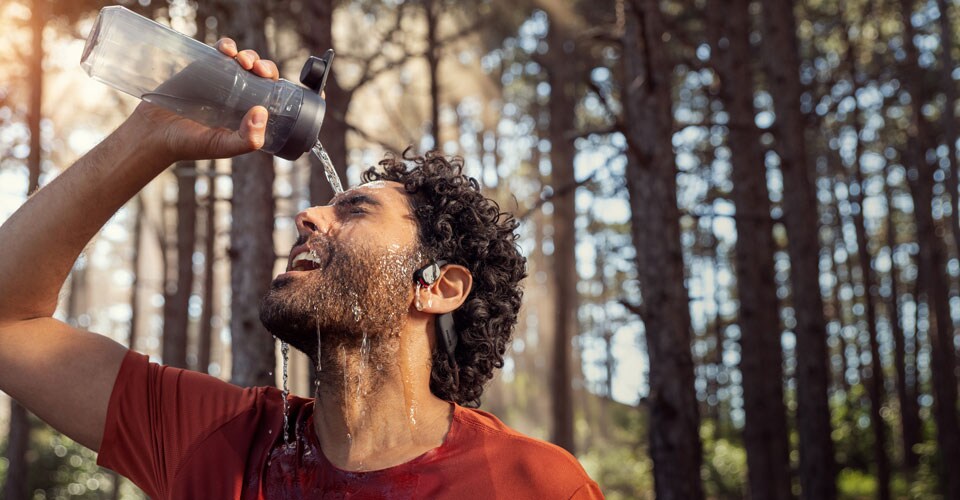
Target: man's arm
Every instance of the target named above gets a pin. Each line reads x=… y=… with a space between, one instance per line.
x=62 y=374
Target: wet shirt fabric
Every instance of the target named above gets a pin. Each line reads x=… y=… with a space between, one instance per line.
x=183 y=435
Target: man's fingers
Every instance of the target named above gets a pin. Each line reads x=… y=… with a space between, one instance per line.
x=247 y=58
x=267 y=69
x=227 y=46
x=252 y=133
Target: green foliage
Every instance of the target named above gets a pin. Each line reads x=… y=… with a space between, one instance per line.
x=724 y=470
x=59 y=468
x=620 y=470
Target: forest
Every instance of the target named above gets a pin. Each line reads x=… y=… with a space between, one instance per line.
x=740 y=219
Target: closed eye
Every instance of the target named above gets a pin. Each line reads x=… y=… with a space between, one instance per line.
x=356 y=204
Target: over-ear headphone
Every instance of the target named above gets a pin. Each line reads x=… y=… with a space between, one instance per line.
x=446 y=330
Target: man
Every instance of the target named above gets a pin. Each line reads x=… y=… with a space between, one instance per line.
x=404 y=292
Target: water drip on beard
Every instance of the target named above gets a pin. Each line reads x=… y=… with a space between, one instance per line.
x=328 y=169
x=285 y=353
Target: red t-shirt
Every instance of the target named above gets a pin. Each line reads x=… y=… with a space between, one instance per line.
x=185 y=435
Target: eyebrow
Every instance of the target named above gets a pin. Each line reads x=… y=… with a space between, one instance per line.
x=356 y=199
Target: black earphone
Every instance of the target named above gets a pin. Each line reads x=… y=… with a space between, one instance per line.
x=446 y=330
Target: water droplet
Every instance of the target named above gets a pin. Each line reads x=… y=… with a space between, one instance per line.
x=285 y=351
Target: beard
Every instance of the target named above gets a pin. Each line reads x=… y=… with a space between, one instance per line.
x=357 y=294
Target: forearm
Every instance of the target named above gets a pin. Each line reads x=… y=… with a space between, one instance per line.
x=43 y=238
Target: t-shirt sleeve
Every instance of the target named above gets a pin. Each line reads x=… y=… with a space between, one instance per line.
x=589 y=491
x=158 y=414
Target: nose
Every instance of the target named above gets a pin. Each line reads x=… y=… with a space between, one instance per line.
x=312 y=220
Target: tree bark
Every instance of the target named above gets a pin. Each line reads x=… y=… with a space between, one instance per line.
x=948 y=118
x=781 y=57
x=177 y=301
x=317 y=35
x=433 y=62
x=761 y=358
x=205 y=334
x=931 y=263
x=18 y=441
x=674 y=424
x=562 y=76
x=252 y=253
x=909 y=409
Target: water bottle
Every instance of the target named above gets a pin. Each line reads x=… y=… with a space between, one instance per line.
x=152 y=62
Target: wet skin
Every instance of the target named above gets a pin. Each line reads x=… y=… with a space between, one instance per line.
x=374 y=407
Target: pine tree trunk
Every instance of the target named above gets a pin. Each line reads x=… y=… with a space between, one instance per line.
x=909 y=409
x=18 y=441
x=948 y=118
x=252 y=254
x=674 y=424
x=205 y=334
x=177 y=301
x=931 y=263
x=433 y=62
x=317 y=35
x=562 y=77
x=761 y=358
x=781 y=58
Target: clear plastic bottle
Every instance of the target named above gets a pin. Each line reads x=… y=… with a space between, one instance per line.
x=152 y=62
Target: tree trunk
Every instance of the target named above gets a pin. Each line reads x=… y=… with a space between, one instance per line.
x=948 y=118
x=562 y=77
x=18 y=441
x=205 y=334
x=875 y=384
x=674 y=424
x=781 y=58
x=317 y=35
x=433 y=62
x=909 y=409
x=177 y=301
x=761 y=358
x=252 y=253
x=931 y=264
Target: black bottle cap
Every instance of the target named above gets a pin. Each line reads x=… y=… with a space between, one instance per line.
x=306 y=129
x=315 y=71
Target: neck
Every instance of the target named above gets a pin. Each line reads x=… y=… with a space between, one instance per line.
x=374 y=408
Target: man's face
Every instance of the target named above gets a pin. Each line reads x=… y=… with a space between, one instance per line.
x=349 y=276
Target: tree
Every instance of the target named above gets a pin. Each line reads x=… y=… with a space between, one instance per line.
x=252 y=254
x=20 y=427
x=563 y=76
x=761 y=359
x=931 y=263
x=177 y=300
x=647 y=123
x=782 y=68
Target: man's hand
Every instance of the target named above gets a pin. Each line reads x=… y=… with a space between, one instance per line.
x=178 y=138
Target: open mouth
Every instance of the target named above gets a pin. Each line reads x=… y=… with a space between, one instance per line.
x=307 y=260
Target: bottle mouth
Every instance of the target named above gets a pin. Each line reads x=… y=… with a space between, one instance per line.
x=92 y=40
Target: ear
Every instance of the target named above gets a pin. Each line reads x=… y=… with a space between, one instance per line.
x=449 y=292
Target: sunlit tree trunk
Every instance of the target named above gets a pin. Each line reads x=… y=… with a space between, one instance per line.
x=252 y=254
x=562 y=76
x=205 y=333
x=674 y=440
x=18 y=441
x=780 y=54
x=761 y=358
x=931 y=263
x=317 y=35
x=177 y=300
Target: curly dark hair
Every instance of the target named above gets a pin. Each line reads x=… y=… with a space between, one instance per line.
x=458 y=224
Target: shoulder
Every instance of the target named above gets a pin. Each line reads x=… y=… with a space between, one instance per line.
x=536 y=463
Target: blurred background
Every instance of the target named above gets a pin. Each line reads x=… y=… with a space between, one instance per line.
x=740 y=218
